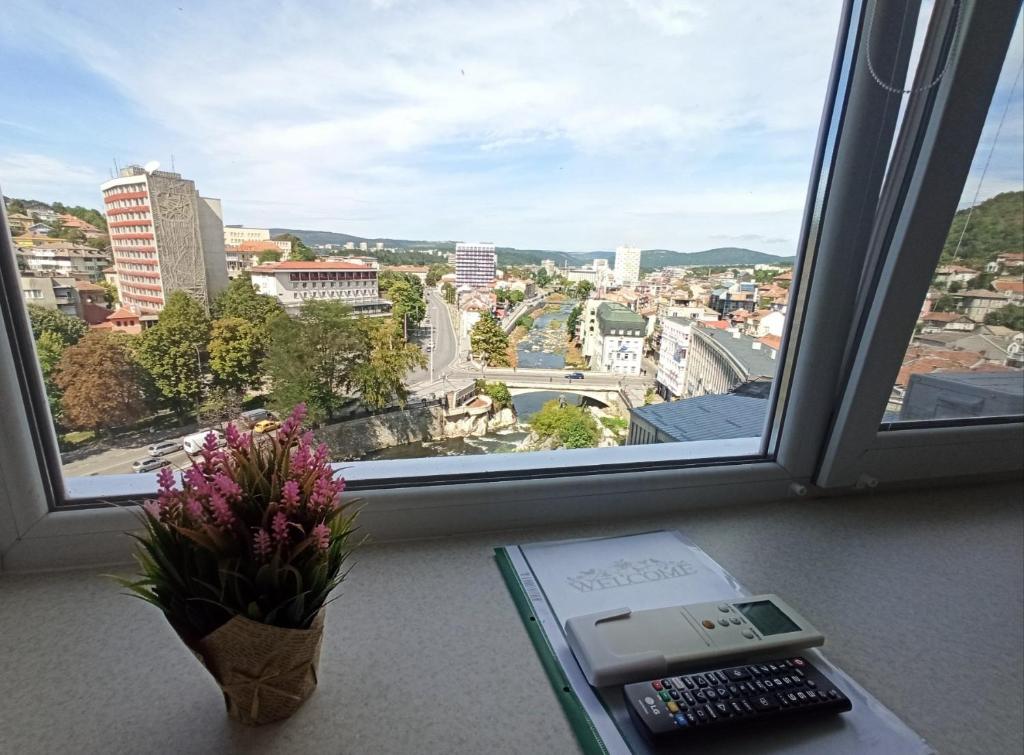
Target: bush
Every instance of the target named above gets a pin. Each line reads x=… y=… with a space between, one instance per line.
x=573 y=426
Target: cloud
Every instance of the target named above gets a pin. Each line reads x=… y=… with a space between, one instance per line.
x=25 y=173
x=510 y=121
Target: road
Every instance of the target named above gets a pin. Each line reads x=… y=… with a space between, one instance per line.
x=445 y=342
x=116 y=461
x=591 y=379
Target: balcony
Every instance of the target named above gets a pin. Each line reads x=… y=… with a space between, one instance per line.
x=902 y=584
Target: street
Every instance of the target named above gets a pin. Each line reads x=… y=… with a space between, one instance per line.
x=445 y=344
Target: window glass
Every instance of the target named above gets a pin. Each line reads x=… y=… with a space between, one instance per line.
x=660 y=156
x=966 y=356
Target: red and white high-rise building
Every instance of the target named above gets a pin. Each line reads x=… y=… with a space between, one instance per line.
x=164 y=238
x=475 y=265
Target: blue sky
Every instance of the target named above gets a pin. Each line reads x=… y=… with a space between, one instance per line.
x=560 y=125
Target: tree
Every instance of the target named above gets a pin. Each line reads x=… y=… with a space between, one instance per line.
x=572 y=426
x=954 y=287
x=525 y=322
x=1010 y=316
x=488 y=340
x=449 y=293
x=573 y=320
x=944 y=303
x=313 y=358
x=436 y=272
x=408 y=306
x=69 y=329
x=171 y=351
x=100 y=383
x=50 y=347
x=381 y=378
x=268 y=255
x=541 y=277
x=236 y=352
x=110 y=292
x=981 y=281
x=498 y=393
x=16 y=206
x=299 y=250
x=241 y=299
x=583 y=289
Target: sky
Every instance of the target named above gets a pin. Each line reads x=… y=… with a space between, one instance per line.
x=553 y=125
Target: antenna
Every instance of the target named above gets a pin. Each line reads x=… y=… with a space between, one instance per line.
x=172 y=162
x=151 y=166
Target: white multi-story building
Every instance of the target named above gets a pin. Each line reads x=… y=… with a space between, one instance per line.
x=294 y=282
x=236 y=234
x=612 y=337
x=164 y=238
x=65 y=260
x=675 y=341
x=627 y=264
x=475 y=265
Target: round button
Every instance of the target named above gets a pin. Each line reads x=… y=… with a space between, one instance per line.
x=723 y=608
x=734 y=620
x=724 y=622
x=748 y=634
x=708 y=624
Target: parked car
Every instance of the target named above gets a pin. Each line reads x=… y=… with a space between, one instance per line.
x=253 y=416
x=164 y=447
x=265 y=426
x=149 y=464
x=574 y=376
x=194 y=443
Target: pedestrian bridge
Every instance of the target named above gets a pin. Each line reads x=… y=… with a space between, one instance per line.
x=608 y=396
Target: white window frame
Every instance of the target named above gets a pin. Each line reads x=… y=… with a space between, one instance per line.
x=439 y=496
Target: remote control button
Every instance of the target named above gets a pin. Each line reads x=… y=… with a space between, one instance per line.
x=783 y=701
x=833 y=694
x=708 y=624
x=681 y=720
x=672 y=707
x=737 y=708
x=763 y=669
x=701 y=697
x=811 y=684
x=689 y=682
x=657 y=685
x=799 y=673
x=723 y=608
x=721 y=677
x=769 y=684
x=812 y=695
x=710 y=694
x=787 y=681
x=674 y=694
x=666 y=683
x=734 y=620
x=793 y=698
x=723 y=709
x=773 y=668
x=734 y=690
x=664 y=696
x=711 y=713
x=701 y=681
x=702 y=715
x=723 y=622
x=688 y=699
x=764 y=702
x=749 y=635
x=737 y=674
x=799 y=662
x=746 y=706
x=722 y=692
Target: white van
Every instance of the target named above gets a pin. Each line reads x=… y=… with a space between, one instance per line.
x=193 y=444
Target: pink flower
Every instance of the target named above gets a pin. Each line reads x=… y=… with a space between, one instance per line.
x=322 y=536
x=294 y=421
x=261 y=544
x=233 y=437
x=290 y=494
x=222 y=513
x=227 y=487
x=210 y=442
x=152 y=508
x=165 y=479
x=279 y=526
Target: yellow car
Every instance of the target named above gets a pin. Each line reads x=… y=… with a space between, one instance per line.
x=266 y=425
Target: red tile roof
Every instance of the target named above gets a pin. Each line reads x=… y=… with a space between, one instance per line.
x=942 y=316
x=1012 y=285
x=123 y=313
x=774 y=342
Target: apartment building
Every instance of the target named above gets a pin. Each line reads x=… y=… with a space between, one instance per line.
x=164 y=238
x=612 y=337
x=675 y=342
x=718 y=360
x=627 y=264
x=69 y=260
x=475 y=265
x=294 y=282
x=51 y=292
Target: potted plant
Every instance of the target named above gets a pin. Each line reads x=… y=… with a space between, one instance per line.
x=241 y=555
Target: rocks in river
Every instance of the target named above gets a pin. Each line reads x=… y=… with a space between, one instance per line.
x=479 y=425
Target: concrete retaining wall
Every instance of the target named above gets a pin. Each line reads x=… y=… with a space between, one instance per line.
x=356 y=437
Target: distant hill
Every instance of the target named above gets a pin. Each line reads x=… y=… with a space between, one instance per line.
x=996 y=225
x=650 y=259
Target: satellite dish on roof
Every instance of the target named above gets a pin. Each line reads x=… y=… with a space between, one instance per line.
x=151 y=166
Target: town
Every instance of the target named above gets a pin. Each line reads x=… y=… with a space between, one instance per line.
x=155 y=321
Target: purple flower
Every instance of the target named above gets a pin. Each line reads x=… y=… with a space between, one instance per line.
x=321 y=536
x=227 y=487
x=290 y=494
x=233 y=437
x=165 y=479
x=222 y=513
x=279 y=526
x=294 y=421
x=261 y=544
x=194 y=508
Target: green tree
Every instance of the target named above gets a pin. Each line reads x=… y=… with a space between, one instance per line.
x=50 y=347
x=541 y=277
x=996 y=225
x=583 y=289
x=100 y=383
x=525 y=321
x=241 y=299
x=436 y=272
x=572 y=321
x=497 y=391
x=1010 y=316
x=110 y=292
x=489 y=341
x=381 y=378
x=572 y=426
x=944 y=303
x=954 y=287
x=449 y=293
x=69 y=329
x=16 y=206
x=171 y=351
x=313 y=358
x=981 y=281
x=299 y=250
x=408 y=306
x=268 y=255
x=236 y=352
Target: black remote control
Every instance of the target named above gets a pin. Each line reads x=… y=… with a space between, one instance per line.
x=732 y=696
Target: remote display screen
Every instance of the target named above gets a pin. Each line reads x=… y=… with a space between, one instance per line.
x=767 y=617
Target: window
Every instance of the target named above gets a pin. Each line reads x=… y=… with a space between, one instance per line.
x=791 y=398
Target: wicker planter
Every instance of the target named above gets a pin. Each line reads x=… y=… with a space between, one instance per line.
x=265 y=672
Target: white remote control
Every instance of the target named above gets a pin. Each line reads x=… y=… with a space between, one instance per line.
x=623 y=646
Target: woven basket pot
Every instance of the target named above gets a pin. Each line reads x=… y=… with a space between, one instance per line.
x=266 y=673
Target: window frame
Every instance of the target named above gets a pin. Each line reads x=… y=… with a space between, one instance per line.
x=433 y=497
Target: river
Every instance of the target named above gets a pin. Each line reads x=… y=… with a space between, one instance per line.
x=502 y=441
x=544 y=346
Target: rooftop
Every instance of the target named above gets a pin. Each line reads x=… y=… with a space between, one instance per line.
x=755 y=361
x=714 y=417
x=979 y=293
x=611 y=315
x=276 y=267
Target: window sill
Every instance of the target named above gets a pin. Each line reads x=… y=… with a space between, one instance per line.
x=437 y=616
